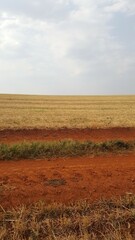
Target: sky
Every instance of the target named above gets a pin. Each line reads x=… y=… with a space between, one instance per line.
x=67 y=47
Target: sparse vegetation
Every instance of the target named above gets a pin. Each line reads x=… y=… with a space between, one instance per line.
x=105 y=220
x=55 y=182
x=62 y=149
x=23 y=111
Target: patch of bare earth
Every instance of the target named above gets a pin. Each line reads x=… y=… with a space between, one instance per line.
x=67 y=179
x=15 y=136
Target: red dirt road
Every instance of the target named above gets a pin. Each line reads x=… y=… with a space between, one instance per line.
x=64 y=180
x=14 y=136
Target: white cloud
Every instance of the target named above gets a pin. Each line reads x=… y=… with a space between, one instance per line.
x=126 y=6
x=63 y=46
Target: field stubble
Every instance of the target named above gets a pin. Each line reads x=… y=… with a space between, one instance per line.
x=112 y=220
x=23 y=111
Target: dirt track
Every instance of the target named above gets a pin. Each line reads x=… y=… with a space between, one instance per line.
x=69 y=179
x=64 y=180
x=13 y=136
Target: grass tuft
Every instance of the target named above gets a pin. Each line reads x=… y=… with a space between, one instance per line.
x=62 y=149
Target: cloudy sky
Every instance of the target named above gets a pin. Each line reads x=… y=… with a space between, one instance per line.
x=67 y=46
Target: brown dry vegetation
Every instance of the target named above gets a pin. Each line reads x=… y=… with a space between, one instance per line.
x=105 y=220
x=22 y=111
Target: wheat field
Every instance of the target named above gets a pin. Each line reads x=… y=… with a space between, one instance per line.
x=29 y=111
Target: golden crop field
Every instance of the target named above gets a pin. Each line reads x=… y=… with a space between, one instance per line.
x=27 y=111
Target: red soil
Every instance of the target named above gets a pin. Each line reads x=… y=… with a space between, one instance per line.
x=14 y=136
x=27 y=181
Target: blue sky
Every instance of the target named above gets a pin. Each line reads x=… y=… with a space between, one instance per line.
x=67 y=46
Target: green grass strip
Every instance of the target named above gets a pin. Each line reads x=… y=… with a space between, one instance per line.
x=67 y=148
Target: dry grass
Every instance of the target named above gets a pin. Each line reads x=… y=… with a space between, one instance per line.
x=20 y=111
x=105 y=220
